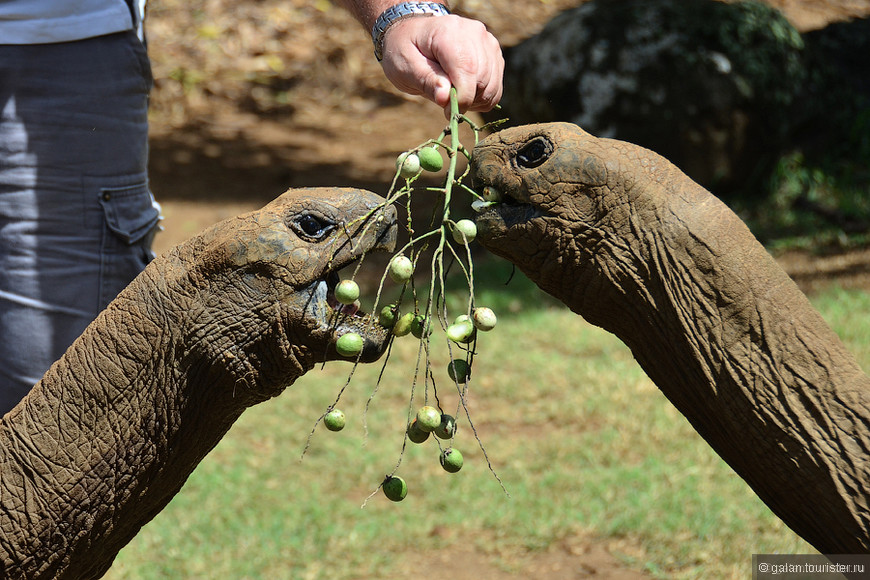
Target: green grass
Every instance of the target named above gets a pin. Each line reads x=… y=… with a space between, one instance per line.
x=585 y=445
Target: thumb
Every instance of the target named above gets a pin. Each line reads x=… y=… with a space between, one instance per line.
x=441 y=93
x=410 y=65
x=418 y=75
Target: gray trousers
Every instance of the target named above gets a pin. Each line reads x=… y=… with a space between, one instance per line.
x=76 y=215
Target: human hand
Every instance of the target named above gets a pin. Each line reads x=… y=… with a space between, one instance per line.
x=426 y=55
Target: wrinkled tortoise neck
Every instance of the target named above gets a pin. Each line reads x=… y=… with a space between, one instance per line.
x=112 y=443
x=735 y=345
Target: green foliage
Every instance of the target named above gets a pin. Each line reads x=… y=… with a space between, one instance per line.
x=816 y=194
x=775 y=64
x=766 y=53
x=811 y=205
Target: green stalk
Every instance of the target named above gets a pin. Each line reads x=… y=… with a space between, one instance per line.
x=454 y=149
x=437 y=236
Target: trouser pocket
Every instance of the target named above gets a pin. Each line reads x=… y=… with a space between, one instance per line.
x=132 y=219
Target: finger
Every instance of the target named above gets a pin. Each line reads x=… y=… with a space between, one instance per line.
x=489 y=86
x=466 y=90
x=411 y=69
x=460 y=62
x=441 y=92
x=494 y=89
x=490 y=91
x=421 y=77
x=473 y=62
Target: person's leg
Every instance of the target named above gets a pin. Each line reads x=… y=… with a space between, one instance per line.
x=76 y=214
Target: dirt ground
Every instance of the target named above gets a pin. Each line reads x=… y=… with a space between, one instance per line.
x=254 y=97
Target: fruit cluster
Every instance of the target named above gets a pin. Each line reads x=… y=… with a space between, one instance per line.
x=428 y=421
x=420 y=313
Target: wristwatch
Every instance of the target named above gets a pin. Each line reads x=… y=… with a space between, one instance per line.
x=399 y=12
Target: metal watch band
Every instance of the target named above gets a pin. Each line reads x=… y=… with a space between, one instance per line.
x=399 y=12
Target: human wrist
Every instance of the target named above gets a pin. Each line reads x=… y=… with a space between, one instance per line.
x=398 y=12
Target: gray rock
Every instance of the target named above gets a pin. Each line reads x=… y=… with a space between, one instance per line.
x=708 y=85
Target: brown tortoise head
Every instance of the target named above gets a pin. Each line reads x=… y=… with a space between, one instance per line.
x=551 y=180
x=583 y=216
x=264 y=281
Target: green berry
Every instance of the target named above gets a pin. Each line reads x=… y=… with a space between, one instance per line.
x=347 y=292
x=428 y=418
x=349 y=344
x=403 y=324
x=484 y=319
x=388 y=316
x=462 y=332
x=400 y=269
x=408 y=165
x=395 y=488
x=421 y=326
x=491 y=194
x=430 y=159
x=451 y=460
x=447 y=428
x=415 y=434
x=458 y=370
x=334 y=420
x=464 y=231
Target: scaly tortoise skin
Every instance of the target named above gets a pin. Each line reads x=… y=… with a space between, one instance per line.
x=627 y=241
x=226 y=320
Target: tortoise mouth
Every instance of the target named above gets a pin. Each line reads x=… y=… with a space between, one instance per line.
x=347 y=318
x=332 y=279
x=337 y=319
x=501 y=207
x=495 y=198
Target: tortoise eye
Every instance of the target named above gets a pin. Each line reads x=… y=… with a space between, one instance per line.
x=534 y=153
x=311 y=226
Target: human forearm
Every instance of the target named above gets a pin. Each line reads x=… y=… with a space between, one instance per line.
x=367 y=11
